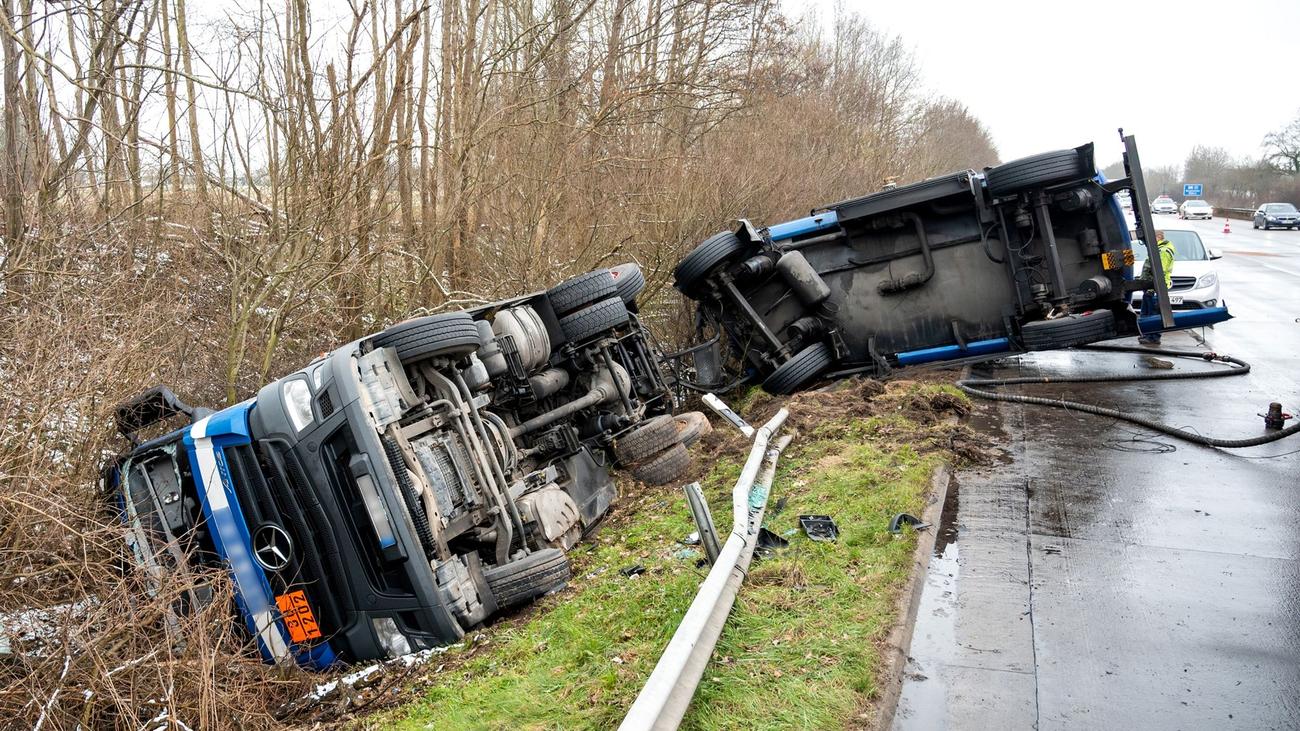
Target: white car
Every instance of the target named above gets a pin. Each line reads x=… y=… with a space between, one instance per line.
x=1195 y=281
x=1164 y=204
x=1195 y=209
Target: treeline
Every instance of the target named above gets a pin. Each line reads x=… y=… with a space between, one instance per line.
x=209 y=200
x=1230 y=182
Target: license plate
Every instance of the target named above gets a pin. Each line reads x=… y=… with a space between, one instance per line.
x=1175 y=299
x=298 y=617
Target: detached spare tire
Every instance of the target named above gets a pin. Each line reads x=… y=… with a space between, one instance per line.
x=696 y=266
x=574 y=294
x=691 y=425
x=800 y=370
x=1062 y=332
x=664 y=467
x=606 y=314
x=650 y=437
x=451 y=334
x=1041 y=171
x=527 y=578
x=628 y=280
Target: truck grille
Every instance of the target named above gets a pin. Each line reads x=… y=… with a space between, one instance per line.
x=277 y=493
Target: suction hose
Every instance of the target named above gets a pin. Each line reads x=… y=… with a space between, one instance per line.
x=978 y=388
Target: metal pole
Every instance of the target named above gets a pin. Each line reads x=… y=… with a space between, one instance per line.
x=649 y=707
x=1147 y=229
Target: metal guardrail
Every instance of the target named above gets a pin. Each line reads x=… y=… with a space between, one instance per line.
x=663 y=701
x=1244 y=214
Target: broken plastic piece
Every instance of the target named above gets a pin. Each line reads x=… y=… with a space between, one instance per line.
x=725 y=412
x=896 y=525
x=631 y=571
x=819 y=527
x=769 y=543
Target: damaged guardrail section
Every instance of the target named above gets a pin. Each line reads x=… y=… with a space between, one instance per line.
x=663 y=701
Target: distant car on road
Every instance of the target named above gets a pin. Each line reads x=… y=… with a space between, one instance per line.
x=1195 y=281
x=1164 y=204
x=1195 y=209
x=1282 y=215
x=1125 y=202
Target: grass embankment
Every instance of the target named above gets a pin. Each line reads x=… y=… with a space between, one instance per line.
x=802 y=648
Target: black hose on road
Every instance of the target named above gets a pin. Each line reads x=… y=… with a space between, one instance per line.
x=976 y=388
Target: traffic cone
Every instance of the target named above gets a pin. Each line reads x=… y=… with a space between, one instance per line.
x=1226 y=230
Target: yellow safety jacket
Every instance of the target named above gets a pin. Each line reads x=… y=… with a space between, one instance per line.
x=1166 y=263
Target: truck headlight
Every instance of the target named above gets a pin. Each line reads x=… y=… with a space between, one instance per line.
x=392 y=639
x=1208 y=280
x=297 y=402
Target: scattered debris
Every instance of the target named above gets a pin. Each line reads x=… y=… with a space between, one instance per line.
x=819 y=527
x=779 y=506
x=1158 y=363
x=691 y=540
x=896 y=525
x=685 y=553
x=632 y=571
x=769 y=543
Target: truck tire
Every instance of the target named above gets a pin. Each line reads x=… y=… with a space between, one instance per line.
x=664 y=467
x=525 y=579
x=696 y=266
x=691 y=426
x=800 y=370
x=647 y=438
x=581 y=291
x=453 y=333
x=1063 y=332
x=1039 y=171
x=582 y=325
x=628 y=280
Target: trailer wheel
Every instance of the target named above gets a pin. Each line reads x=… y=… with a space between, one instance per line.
x=664 y=467
x=525 y=579
x=582 y=325
x=647 y=438
x=1063 y=332
x=629 y=281
x=800 y=370
x=453 y=333
x=696 y=266
x=581 y=291
x=1039 y=171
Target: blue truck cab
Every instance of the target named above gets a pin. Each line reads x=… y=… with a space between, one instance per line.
x=405 y=487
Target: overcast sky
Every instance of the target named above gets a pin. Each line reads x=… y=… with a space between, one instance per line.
x=1046 y=74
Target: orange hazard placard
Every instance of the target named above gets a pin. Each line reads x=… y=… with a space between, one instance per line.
x=298 y=616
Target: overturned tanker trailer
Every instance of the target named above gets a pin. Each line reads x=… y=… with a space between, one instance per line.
x=1032 y=254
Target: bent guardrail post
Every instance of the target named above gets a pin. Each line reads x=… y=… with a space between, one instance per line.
x=703 y=521
x=670 y=687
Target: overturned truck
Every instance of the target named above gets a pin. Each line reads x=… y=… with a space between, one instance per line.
x=1033 y=254
x=403 y=488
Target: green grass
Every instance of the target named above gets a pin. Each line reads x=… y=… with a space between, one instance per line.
x=802 y=646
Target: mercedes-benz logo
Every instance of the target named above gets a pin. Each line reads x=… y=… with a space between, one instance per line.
x=272 y=547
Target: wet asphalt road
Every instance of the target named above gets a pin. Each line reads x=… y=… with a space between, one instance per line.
x=1102 y=577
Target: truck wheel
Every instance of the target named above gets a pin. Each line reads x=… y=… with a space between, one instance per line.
x=525 y=579
x=426 y=337
x=649 y=437
x=691 y=426
x=606 y=314
x=629 y=281
x=800 y=370
x=581 y=291
x=664 y=467
x=1039 y=171
x=1063 y=332
x=696 y=266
